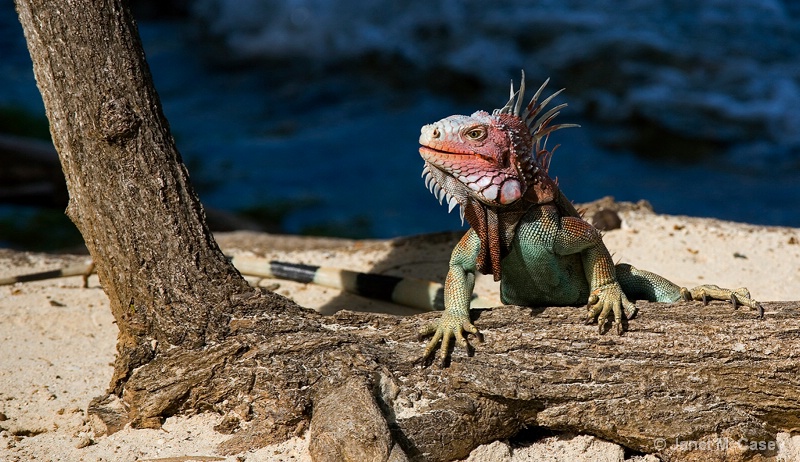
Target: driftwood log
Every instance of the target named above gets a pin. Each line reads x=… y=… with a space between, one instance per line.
x=195 y=337
x=683 y=373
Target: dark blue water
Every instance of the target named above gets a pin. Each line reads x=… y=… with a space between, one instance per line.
x=342 y=146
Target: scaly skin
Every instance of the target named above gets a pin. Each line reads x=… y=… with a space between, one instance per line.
x=524 y=230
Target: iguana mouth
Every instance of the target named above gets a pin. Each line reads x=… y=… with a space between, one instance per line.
x=437 y=157
x=439 y=153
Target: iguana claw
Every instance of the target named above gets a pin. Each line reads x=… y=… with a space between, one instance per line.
x=447 y=327
x=606 y=300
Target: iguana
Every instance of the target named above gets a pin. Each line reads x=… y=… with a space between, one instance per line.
x=523 y=230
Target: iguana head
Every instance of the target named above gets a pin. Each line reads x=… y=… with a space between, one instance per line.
x=495 y=158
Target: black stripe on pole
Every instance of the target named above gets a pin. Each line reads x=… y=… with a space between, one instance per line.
x=39 y=276
x=377 y=286
x=293 y=271
x=370 y=285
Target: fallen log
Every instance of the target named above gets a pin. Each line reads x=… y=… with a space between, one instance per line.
x=682 y=373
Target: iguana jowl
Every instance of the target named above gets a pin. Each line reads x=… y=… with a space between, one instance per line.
x=523 y=230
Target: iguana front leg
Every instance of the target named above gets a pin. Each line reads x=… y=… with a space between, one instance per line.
x=606 y=295
x=458 y=288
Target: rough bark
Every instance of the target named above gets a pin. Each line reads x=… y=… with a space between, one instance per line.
x=129 y=191
x=683 y=372
x=194 y=336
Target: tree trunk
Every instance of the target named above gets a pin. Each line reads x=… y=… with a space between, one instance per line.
x=194 y=336
x=130 y=195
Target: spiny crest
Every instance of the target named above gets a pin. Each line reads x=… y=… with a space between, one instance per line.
x=538 y=123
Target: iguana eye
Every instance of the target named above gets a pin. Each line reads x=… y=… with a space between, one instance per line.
x=476 y=133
